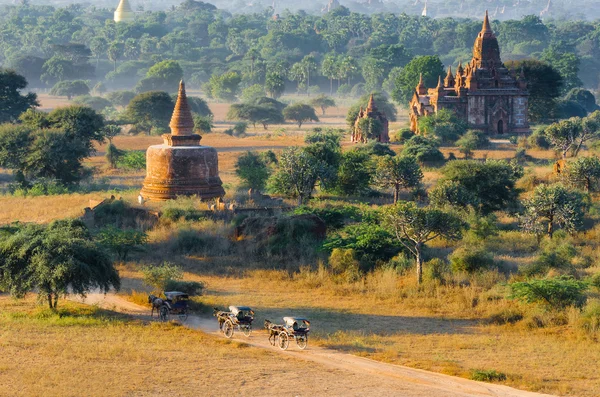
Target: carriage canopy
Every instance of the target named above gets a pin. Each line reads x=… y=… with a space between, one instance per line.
x=176 y=295
x=297 y=323
x=237 y=309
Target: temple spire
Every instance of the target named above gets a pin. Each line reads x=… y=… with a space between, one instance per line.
x=371 y=106
x=124 y=13
x=182 y=122
x=486 y=24
x=449 y=80
x=421 y=89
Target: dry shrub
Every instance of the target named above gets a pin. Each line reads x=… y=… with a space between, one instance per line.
x=589 y=320
x=383 y=282
x=138 y=297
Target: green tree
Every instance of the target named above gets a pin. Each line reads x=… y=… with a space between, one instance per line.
x=252 y=170
x=444 y=125
x=492 y=182
x=429 y=66
x=224 y=87
x=54 y=261
x=329 y=68
x=557 y=293
x=414 y=227
x=544 y=84
x=584 y=98
x=151 y=109
x=398 y=172
x=564 y=135
x=323 y=102
x=354 y=173
x=115 y=52
x=470 y=141
x=297 y=174
x=381 y=103
x=300 y=113
x=97 y=103
x=423 y=149
x=12 y=103
x=252 y=93
x=551 y=206
x=120 y=98
x=121 y=241
x=254 y=114
x=70 y=88
x=274 y=84
x=163 y=76
x=584 y=172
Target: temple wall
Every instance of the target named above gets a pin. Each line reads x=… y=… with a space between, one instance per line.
x=476 y=110
x=519 y=111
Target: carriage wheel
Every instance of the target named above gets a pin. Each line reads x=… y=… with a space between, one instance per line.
x=284 y=340
x=247 y=330
x=163 y=314
x=228 y=329
x=302 y=341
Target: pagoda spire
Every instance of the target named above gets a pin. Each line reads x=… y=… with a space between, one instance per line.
x=182 y=122
x=440 y=86
x=124 y=13
x=486 y=24
x=421 y=89
x=371 y=106
x=449 y=80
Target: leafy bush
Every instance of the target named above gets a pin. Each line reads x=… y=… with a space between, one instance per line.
x=195 y=288
x=203 y=123
x=425 y=150
x=159 y=276
x=188 y=241
x=557 y=257
x=343 y=262
x=590 y=318
x=371 y=242
x=471 y=259
x=436 y=270
x=132 y=160
x=403 y=135
x=487 y=375
x=121 y=242
x=595 y=281
x=374 y=148
x=506 y=316
x=538 y=139
x=334 y=216
x=557 y=293
x=402 y=263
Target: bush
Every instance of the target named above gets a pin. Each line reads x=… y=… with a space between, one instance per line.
x=334 y=216
x=590 y=318
x=425 y=150
x=203 y=123
x=487 y=376
x=435 y=270
x=556 y=293
x=159 y=276
x=195 y=288
x=506 y=316
x=401 y=263
x=133 y=160
x=182 y=208
x=403 y=135
x=595 y=281
x=471 y=259
x=188 y=241
x=343 y=262
x=121 y=242
x=374 y=148
x=556 y=257
x=538 y=139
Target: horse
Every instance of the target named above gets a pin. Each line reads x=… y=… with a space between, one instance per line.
x=156 y=304
x=220 y=315
x=274 y=330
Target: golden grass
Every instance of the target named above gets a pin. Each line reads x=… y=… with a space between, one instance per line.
x=86 y=351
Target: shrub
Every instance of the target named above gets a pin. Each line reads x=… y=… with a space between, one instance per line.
x=189 y=287
x=373 y=148
x=557 y=293
x=185 y=209
x=132 y=160
x=333 y=216
x=435 y=270
x=425 y=150
x=402 y=263
x=203 y=123
x=188 y=241
x=122 y=242
x=506 y=316
x=556 y=257
x=590 y=318
x=595 y=281
x=538 y=139
x=487 y=375
x=471 y=259
x=158 y=276
x=343 y=262
x=403 y=135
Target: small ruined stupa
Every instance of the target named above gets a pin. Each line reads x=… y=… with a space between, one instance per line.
x=371 y=112
x=124 y=13
x=181 y=166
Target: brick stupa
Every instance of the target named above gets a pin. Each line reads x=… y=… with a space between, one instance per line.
x=181 y=166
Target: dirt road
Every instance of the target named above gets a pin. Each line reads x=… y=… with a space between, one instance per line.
x=396 y=379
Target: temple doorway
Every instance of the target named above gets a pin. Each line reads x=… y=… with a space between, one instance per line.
x=500 y=127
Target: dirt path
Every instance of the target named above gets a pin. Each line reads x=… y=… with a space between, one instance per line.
x=404 y=381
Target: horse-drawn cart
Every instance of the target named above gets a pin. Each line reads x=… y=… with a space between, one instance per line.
x=239 y=317
x=296 y=328
x=175 y=303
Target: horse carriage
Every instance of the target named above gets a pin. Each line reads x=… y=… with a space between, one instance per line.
x=296 y=328
x=238 y=317
x=175 y=303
